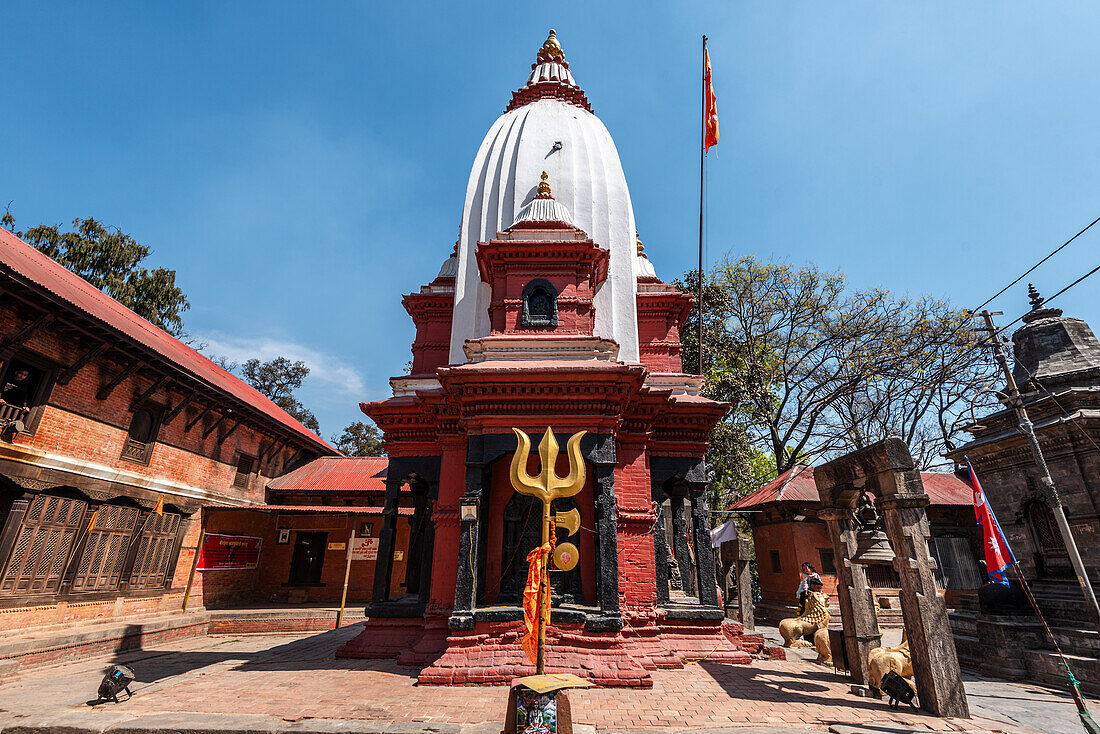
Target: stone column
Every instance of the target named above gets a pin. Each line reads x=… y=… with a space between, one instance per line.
x=705 y=581
x=607 y=545
x=680 y=544
x=660 y=550
x=383 y=566
x=857 y=603
x=935 y=661
x=462 y=618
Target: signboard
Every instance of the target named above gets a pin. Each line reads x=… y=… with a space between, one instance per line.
x=364 y=549
x=224 y=552
x=337 y=546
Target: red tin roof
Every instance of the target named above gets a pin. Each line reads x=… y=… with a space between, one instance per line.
x=797 y=485
x=336 y=474
x=28 y=264
x=794 y=485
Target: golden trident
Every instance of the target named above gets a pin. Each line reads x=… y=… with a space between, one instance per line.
x=548 y=486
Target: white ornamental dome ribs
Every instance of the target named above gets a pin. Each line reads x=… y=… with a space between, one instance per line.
x=549 y=127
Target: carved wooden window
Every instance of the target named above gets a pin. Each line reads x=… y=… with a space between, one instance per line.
x=245 y=466
x=108 y=544
x=540 y=304
x=1045 y=528
x=25 y=383
x=880 y=576
x=42 y=547
x=142 y=436
x=155 y=549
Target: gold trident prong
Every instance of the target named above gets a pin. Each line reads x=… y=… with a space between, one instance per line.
x=548 y=486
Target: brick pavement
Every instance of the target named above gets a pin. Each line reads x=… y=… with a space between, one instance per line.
x=298 y=677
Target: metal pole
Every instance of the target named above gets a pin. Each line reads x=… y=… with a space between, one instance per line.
x=544 y=584
x=195 y=561
x=702 y=169
x=1050 y=493
x=347 y=575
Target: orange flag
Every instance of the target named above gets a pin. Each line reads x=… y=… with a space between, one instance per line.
x=536 y=559
x=710 y=113
x=91 y=523
x=159 y=509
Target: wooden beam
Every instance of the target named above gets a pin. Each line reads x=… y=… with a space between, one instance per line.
x=272 y=450
x=171 y=414
x=191 y=423
x=155 y=386
x=11 y=345
x=214 y=427
x=106 y=390
x=66 y=377
x=229 y=433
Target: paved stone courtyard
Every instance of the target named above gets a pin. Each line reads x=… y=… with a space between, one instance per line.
x=297 y=678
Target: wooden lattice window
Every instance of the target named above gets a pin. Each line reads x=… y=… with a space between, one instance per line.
x=141 y=437
x=881 y=576
x=245 y=467
x=42 y=548
x=1045 y=528
x=154 y=553
x=105 y=551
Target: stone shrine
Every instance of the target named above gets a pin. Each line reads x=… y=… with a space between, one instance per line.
x=547 y=314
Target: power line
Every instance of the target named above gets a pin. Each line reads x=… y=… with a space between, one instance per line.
x=1048 y=300
x=1029 y=270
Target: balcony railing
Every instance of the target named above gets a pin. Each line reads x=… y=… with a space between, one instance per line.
x=11 y=413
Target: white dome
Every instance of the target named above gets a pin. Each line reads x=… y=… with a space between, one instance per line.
x=587 y=179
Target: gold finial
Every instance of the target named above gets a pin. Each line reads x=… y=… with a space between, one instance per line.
x=638 y=242
x=550 y=48
x=544 y=187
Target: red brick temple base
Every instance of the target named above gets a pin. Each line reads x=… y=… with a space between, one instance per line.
x=491 y=652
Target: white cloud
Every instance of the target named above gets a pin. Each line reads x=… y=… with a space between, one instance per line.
x=322 y=367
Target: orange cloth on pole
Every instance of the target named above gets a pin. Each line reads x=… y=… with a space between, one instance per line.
x=710 y=113
x=159 y=509
x=536 y=559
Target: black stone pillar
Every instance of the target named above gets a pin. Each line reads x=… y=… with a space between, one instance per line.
x=607 y=549
x=462 y=616
x=680 y=545
x=383 y=566
x=705 y=580
x=660 y=551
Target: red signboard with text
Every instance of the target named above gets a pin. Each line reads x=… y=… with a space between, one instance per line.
x=224 y=552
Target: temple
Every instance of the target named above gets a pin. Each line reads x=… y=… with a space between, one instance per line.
x=548 y=314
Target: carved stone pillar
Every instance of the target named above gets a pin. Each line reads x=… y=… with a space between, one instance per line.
x=680 y=545
x=705 y=581
x=601 y=453
x=857 y=603
x=383 y=566
x=935 y=661
x=660 y=551
x=462 y=618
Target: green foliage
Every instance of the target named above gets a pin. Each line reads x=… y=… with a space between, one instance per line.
x=812 y=368
x=278 y=379
x=360 y=439
x=111 y=261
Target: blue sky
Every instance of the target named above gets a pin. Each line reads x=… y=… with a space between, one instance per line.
x=302 y=165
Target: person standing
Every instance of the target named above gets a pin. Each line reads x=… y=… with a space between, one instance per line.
x=808 y=573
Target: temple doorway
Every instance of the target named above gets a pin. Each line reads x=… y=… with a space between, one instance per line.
x=308 y=560
x=513 y=529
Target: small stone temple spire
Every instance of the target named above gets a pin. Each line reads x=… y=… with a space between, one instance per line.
x=1034 y=297
x=551 y=49
x=1038 y=310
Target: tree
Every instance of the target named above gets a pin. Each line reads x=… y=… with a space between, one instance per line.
x=812 y=368
x=111 y=260
x=360 y=439
x=278 y=379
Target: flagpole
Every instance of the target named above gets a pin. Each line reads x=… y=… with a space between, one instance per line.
x=702 y=172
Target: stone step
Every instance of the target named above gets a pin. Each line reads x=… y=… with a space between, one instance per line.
x=969 y=650
x=963 y=623
x=1077 y=640
x=1045 y=666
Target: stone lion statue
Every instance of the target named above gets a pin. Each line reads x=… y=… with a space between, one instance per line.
x=882 y=660
x=813 y=622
